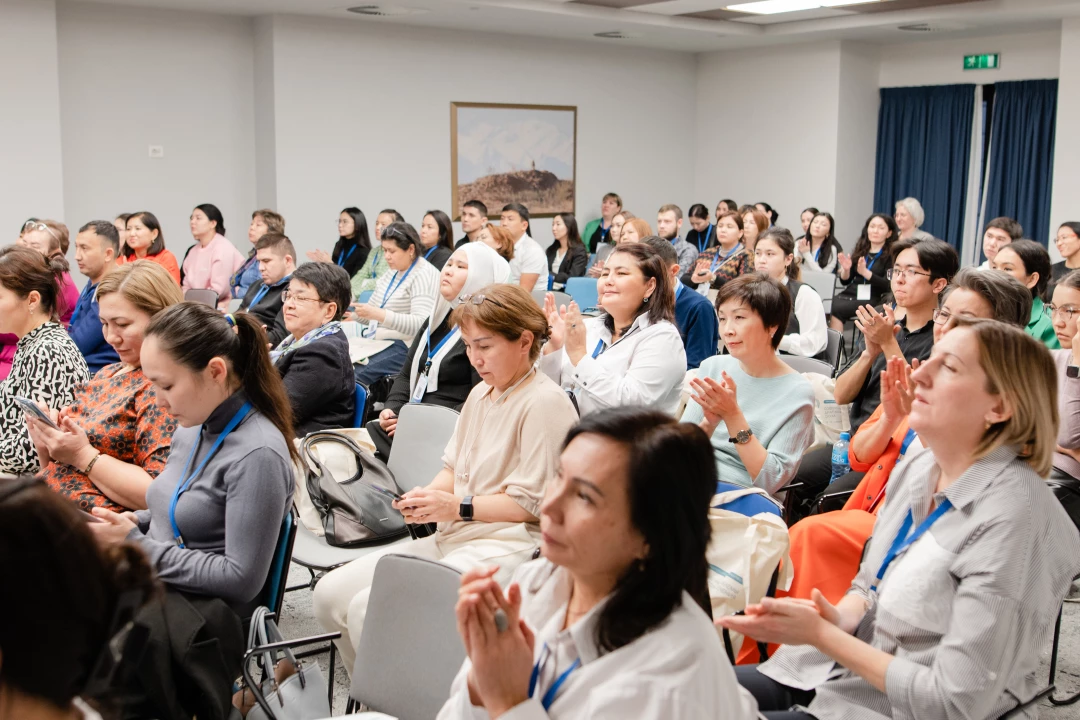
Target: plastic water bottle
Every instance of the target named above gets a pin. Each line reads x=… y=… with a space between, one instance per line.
x=840 y=464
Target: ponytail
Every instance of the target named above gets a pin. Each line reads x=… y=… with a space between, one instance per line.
x=193 y=334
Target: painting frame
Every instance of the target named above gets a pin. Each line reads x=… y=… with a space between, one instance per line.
x=567 y=206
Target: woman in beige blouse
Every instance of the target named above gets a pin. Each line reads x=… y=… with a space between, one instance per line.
x=486 y=500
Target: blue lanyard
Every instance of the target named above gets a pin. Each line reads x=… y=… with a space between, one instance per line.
x=263 y=290
x=702 y=245
x=342 y=257
x=549 y=696
x=427 y=255
x=904 y=540
x=870 y=265
x=604 y=231
x=391 y=287
x=185 y=479
x=599 y=349
x=908 y=438
x=433 y=351
x=375 y=265
x=717 y=260
x=817 y=253
x=89 y=289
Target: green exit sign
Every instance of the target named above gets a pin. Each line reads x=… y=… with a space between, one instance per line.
x=987 y=61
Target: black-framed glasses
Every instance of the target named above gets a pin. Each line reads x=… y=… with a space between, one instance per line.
x=1069 y=311
x=908 y=273
x=288 y=295
x=479 y=298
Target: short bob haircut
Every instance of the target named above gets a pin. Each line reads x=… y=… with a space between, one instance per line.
x=275 y=223
x=914 y=208
x=1021 y=370
x=765 y=296
x=151 y=222
x=660 y=305
x=1009 y=300
x=144 y=284
x=670 y=465
x=404 y=236
x=937 y=257
x=502 y=238
x=1036 y=260
x=331 y=284
x=505 y=310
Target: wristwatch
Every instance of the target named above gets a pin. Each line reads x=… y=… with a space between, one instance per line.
x=742 y=437
x=1072 y=371
x=466 y=509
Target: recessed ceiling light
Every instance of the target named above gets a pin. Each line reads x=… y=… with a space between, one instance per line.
x=773 y=7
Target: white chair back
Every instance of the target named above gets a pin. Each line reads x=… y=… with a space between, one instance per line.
x=419 y=441
x=561 y=299
x=410 y=650
x=823 y=283
x=801 y=364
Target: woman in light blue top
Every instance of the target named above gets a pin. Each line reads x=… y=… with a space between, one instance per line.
x=757 y=410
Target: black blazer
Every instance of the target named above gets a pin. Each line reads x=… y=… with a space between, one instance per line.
x=319 y=380
x=574 y=263
x=457 y=377
x=267 y=310
x=439 y=256
x=354 y=260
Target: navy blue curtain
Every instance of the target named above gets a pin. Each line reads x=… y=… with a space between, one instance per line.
x=923 y=146
x=1021 y=167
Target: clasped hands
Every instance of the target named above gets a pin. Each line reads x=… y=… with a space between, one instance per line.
x=501 y=660
x=787 y=621
x=878 y=329
x=718 y=400
x=425 y=505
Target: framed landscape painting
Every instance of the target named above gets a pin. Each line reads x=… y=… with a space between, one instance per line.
x=501 y=154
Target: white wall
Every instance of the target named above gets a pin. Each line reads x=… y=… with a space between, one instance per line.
x=131 y=78
x=856 y=145
x=30 y=160
x=783 y=153
x=363 y=117
x=1065 y=205
x=1028 y=56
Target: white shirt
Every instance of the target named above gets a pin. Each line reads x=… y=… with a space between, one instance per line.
x=529 y=258
x=677 y=670
x=559 y=255
x=812 y=336
x=645 y=367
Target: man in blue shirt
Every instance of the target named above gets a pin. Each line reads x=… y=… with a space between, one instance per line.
x=96 y=248
x=694 y=314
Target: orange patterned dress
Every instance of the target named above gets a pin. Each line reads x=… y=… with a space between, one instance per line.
x=121 y=417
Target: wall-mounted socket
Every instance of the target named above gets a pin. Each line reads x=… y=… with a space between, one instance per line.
x=157 y=151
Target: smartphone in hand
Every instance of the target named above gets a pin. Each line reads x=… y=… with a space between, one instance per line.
x=31 y=409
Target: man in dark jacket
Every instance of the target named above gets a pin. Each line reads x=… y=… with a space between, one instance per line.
x=277 y=261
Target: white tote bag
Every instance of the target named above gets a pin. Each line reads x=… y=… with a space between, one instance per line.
x=743 y=554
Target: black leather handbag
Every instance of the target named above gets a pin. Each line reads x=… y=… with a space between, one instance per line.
x=354 y=513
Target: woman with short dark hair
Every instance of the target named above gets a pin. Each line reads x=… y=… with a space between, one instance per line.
x=401 y=302
x=613 y=618
x=47 y=366
x=757 y=410
x=313 y=359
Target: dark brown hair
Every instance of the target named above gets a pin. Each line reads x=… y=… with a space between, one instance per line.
x=23 y=271
x=506 y=310
x=151 y=222
x=661 y=304
x=193 y=334
x=69 y=595
x=765 y=296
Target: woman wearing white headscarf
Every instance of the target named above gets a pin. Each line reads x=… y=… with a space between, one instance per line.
x=437 y=371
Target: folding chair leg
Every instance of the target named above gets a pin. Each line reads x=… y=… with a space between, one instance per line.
x=1069 y=699
x=332 y=683
x=310 y=584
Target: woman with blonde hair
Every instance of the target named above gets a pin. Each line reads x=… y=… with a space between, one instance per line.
x=959 y=588
x=498 y=239
x=114 y=439
x=909 y=217
x=487 y=497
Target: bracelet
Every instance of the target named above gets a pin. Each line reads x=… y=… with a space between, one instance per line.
x=90 y=465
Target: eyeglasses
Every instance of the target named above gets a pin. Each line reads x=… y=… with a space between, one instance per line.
x=479 y=298
x=31 y=225
x=909 y=274
x=286 y=296
x=1069 y=311
x=942 y=316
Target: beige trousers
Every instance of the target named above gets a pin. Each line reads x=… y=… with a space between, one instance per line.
x=341 y=597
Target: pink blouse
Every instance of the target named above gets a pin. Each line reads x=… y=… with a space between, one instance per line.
x=212 y=268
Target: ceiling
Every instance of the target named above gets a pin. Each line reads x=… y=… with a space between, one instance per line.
x=680 y=25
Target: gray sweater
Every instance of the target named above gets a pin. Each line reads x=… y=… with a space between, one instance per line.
x=230 y=515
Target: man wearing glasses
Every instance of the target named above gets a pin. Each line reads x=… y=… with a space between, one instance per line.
x=921 y=271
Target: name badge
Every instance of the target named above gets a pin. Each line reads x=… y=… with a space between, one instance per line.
x=369 y=331
x=420 y=389
x=862 y=292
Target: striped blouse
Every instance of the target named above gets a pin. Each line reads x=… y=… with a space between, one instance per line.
x=965 y=611
x=407 y=300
